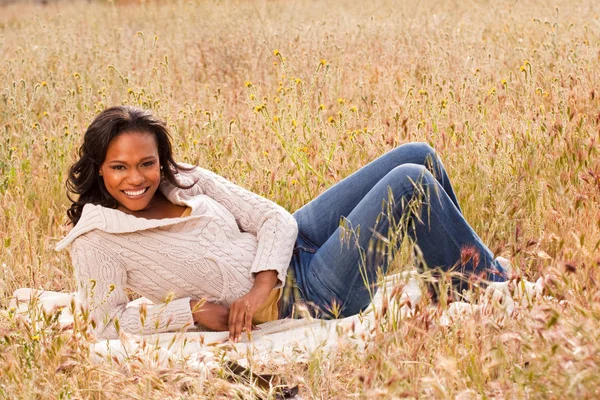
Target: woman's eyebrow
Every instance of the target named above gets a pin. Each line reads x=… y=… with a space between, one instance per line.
x=124 y=162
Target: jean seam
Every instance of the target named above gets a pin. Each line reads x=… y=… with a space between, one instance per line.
x=353 y=283
x=443 y=225
x=322 y=301
x=312 y=247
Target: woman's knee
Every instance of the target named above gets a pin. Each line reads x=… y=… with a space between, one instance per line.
x=417 y=153
x=407 y=178
x=412 y=172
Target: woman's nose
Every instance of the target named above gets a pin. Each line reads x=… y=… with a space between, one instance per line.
x=135 y=178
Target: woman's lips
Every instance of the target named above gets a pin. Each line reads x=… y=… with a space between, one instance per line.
x=134 y=194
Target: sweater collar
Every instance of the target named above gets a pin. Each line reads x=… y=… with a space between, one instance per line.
x=114 y=221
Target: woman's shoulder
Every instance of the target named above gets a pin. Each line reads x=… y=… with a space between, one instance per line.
x=189 y=177
x=93 y=238
x=96 y=218
x=92 y=218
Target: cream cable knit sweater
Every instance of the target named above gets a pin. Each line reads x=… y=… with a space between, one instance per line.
x=231 y=234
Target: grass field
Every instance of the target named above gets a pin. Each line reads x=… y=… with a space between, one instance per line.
x=287 y=97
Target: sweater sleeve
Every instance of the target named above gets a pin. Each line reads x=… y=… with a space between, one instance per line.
x=275 y=228
x=101 y=279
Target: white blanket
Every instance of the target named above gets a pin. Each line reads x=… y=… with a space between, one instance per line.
x=279 y=341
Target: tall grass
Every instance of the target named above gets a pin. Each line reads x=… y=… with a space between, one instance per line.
x=285 y=98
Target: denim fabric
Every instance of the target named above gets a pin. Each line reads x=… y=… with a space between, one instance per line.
x=344 y=233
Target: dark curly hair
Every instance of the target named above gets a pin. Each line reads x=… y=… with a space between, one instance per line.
x=84 y=179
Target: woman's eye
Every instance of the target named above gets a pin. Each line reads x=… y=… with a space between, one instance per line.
x=148 y=164
x=118 y=167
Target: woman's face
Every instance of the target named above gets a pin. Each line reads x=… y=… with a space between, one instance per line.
x=131 y=170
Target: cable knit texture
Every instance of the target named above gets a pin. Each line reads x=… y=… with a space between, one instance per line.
x=213 y=254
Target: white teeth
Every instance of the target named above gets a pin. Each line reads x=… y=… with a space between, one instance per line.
x=134 y=192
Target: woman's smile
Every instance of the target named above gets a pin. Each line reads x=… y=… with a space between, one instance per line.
x=135 y=194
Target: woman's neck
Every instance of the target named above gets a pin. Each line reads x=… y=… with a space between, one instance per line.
x=158 y=208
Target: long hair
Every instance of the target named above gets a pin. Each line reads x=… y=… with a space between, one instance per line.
x=84 y=179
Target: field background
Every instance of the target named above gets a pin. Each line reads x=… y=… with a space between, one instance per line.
x=287 y=97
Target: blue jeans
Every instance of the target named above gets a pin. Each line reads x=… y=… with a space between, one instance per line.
x=345 y=237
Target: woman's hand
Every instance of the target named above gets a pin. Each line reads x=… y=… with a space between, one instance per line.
x=210 y=315
x=243 y=309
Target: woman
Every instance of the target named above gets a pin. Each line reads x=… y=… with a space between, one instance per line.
x=212 y=253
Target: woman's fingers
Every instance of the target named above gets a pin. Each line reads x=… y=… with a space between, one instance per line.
x=240 y=319
x=233 y=318
x=248 y=319
x=242 y=311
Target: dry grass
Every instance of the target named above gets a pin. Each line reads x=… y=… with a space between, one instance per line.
x=286 y=98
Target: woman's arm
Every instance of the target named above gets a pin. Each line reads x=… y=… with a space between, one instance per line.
x=276 y=231
x=274 y=227
x=101 y=279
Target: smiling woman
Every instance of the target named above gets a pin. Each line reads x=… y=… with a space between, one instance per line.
x=125 y=149
x=209 y=252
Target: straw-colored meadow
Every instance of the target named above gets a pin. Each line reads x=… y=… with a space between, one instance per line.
x=287 y=97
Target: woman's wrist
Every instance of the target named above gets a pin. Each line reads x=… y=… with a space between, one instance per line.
x=265 y=280
x=194 y=308
x=209 y=315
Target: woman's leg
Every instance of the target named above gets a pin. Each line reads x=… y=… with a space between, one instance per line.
x=319 y=219
x=341 y=270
